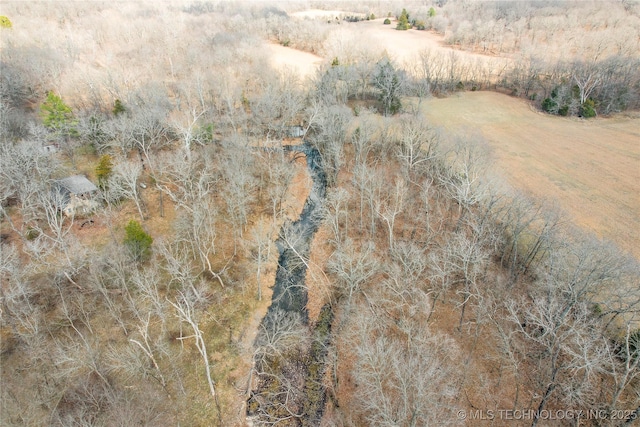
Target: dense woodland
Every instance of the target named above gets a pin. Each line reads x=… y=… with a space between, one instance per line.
x=433 y=287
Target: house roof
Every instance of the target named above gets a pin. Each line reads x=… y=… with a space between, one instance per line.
x=77 y=184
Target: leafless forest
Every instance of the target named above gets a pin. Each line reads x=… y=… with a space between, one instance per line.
x=431 y=292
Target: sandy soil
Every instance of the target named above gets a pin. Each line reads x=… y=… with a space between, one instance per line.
x=591 y=167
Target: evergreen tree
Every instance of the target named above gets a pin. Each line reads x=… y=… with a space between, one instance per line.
x=103 y=170
x=56 y=115
x=391 y=83
x=5 y=22
x=403 y=21
x=118 y=108
x=137 y=241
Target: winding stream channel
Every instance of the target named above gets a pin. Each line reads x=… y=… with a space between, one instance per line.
x=289 y=290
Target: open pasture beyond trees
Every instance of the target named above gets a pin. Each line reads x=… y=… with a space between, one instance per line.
x=591 y=168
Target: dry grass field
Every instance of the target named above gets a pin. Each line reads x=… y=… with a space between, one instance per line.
x=304 y=64
x=590 y=167
x=405 y=46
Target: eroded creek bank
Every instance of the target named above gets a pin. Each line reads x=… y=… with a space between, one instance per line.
x=289 y=352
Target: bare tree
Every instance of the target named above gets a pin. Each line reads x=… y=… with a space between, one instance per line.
x=186 y=312
x=404 y=379
x=418 y=144
x=261 y=246
x=391 y=206
x=187 y=129
x=337 y=214
x=239 y=186
x=353 y=265
x=368 y=183
x=363 y=138
x=280 y=172
x=328 y=135
x=124 y=183
x=568 y=356
x=466 y=178
x=623 y=364
x=587 y=78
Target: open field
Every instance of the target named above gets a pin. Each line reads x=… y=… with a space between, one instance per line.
x=592 y=168
x=405 y=46
x=303 y=63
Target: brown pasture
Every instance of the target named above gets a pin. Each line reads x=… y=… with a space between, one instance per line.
x=590 y=167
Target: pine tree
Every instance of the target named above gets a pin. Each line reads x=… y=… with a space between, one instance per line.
x=103 y=170
x=137 y=241
x=5 y=22
x=403 y=21
x=56 y=115
x=118 y=108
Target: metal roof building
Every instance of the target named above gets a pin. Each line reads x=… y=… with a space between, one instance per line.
x=77 y=184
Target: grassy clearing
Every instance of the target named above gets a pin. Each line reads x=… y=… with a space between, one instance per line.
x=591 y=168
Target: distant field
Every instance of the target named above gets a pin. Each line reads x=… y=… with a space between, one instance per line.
x=404 y=47
x=304 y=63
x=592 y=168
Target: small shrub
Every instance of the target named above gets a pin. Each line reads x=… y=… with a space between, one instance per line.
x=32 y=233
x=5 y=22
x=205 y=133
x=420 y=25
x=372 y=16
x=432 y=12
x=549 y=106
x=634 y=344
x=137 y=241
x=564 y=110
x=118 y=108
x=460 y=86
x=103 y=170
x=629 y=350
x=335 y=62
x=588 y=109
x=387 y=21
